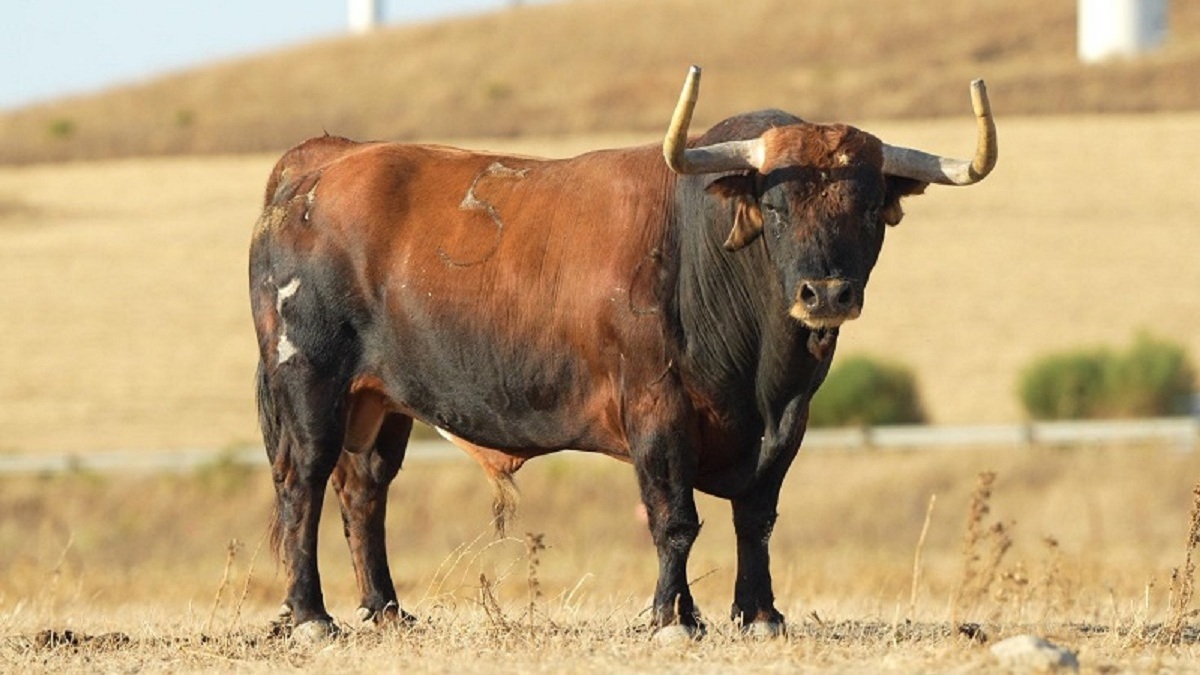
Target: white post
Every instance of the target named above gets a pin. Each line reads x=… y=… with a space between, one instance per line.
x=363 y=15
x=1120 y=28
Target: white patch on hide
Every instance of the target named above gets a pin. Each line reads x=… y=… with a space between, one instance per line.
x=284 y=349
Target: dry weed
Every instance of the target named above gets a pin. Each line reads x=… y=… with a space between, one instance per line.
x=1053 y=588
x=491 y=606
x=534 y=545
x=983 y=549
x=916 y=575
x=230 y=554
x=1183 y=578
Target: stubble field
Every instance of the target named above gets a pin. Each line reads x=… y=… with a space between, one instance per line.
x=126 y=317
x=1086 y=547
x=126 y=327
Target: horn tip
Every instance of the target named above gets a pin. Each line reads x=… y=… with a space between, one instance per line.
x=979 y=98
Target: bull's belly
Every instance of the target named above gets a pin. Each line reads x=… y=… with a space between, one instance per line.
x=518 y=430
x=516 y=404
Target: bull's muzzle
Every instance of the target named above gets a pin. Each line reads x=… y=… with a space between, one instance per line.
x=826 y=303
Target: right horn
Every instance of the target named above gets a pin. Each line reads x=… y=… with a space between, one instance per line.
x=929 y=168
x=716 y=158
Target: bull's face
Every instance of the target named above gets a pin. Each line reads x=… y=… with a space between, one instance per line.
x=820 y=204
x=820 y=196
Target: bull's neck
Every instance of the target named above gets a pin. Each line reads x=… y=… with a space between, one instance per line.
x=741 y=347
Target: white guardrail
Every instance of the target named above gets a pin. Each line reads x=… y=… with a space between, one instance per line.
x=1182 y=433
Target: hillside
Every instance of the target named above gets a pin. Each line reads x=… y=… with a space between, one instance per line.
x=616 y=65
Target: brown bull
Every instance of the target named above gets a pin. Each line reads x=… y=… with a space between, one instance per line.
x=675 y=314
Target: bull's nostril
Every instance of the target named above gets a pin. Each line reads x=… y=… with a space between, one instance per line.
x=809 y=296
x=846 y=297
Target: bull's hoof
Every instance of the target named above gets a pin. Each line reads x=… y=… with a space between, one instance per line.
x=284 y=615
x=281 y=626
x=765 y=630
x=369 y=617
x=316 y=633
x=390 y=615
x=679 y=634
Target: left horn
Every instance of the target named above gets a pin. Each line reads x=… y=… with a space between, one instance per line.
x=929 y=168
x=717 y=158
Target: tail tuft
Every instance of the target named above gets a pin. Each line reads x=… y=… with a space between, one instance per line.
x=505 y=498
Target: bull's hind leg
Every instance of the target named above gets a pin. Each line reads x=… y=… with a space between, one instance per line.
x=303 y=434
x=361 y=481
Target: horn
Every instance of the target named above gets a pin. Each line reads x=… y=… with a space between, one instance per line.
x=929 y=168
x=717 y=158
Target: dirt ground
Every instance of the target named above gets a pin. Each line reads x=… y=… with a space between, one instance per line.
x=1086 y=547
x=126 y=324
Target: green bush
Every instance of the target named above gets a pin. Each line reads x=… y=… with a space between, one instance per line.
x=862 y=391
x=61 y=128
x=1152 y=378
x=1067 y=385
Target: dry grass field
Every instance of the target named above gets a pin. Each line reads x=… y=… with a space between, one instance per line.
x=1087 y=547
x=125 y=327
x=126 y=321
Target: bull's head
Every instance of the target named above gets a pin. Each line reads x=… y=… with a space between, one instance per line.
x=820 y=196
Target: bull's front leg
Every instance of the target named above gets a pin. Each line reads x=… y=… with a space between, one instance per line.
x=754 y=514
x=666 y=467
x=753 y=598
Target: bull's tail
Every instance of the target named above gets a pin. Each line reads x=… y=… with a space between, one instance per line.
x=272 y=431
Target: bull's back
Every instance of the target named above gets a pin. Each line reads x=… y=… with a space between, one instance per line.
x=508 y=300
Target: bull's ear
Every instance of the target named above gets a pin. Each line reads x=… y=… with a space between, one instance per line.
x=747 y=214
x=898 y=187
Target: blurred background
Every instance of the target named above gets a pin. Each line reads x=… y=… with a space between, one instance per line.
x=135 y=138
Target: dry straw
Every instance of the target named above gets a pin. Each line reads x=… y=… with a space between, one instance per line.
x=231 y=550
x=533 y=548
x=916 y=575
x=984 y=547
x=1182 y=579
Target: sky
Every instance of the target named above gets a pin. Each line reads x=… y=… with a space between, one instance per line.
x=52 y=48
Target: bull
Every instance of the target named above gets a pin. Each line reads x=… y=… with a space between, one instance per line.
x=674 y=309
